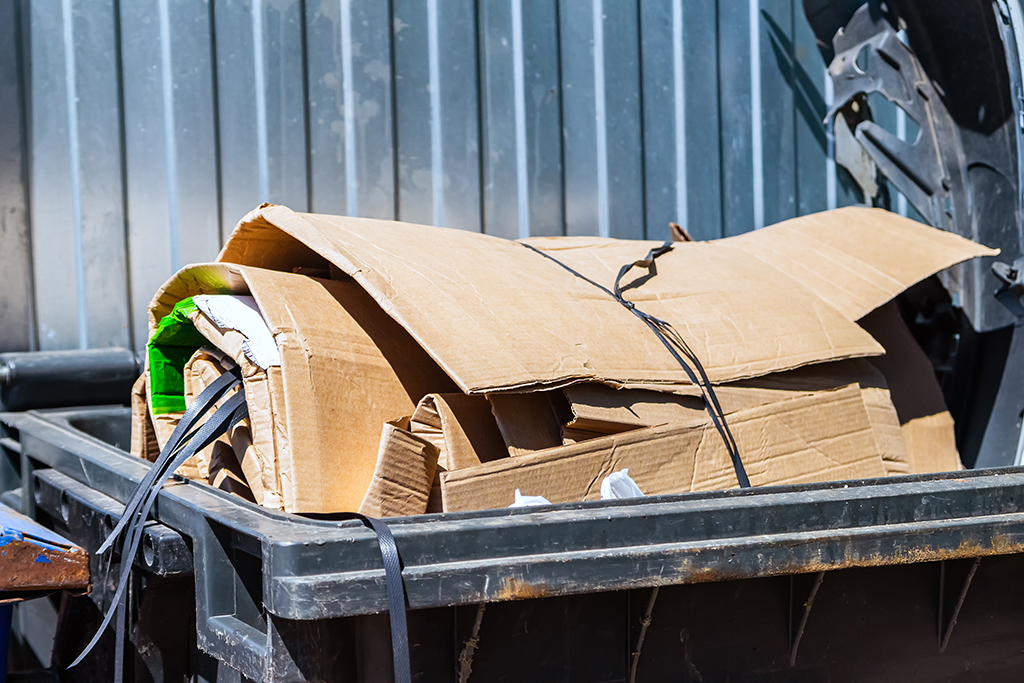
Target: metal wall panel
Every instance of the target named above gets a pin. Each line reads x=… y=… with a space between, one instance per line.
x=170 y=143
x=16 y=328
x=521 y=98
x=351 y=122
x=76 y=177
x=153 y=126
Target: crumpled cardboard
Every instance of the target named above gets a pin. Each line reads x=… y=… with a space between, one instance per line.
x=469 y=351
x=818 y=437
x=346 y=368
x=499 y=315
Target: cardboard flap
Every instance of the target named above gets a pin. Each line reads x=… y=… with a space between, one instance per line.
x=403 y=475
x=498 y=314
x=601 y=409
x=461 y=427
x=856 y=258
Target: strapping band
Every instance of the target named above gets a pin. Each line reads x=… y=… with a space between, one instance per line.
x=676 y=346
x=187 y=439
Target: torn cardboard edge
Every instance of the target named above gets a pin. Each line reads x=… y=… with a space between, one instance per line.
x=819 y=437
x=345 y=369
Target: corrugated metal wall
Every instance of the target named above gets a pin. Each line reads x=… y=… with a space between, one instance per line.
x=135 y=133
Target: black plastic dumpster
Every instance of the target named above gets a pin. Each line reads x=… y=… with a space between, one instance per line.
x=848 y=581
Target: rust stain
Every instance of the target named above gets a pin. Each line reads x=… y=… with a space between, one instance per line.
x=26 y=566
x=686 y=572
x=513 y=588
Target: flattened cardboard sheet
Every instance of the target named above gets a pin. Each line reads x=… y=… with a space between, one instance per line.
x=502 y=315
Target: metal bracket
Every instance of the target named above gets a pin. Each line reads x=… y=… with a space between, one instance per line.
x=803 y=609
x=953 y=575
x=1012 y=288
x=930 y=171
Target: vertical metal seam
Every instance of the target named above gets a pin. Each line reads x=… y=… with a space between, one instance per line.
x=830 y=140
x=259 y=77
x=306 y=125
x=901 y=133
x=74 y=153
x=215 y=93
x=682 y=201
x=756 y=140
x=519 y=96
x=718 y=111
x=479 y=33
x=395 y=170
x=561 y=116
x=600 y=119
x=170 y=147
x=349 y=117
x=795 y=91
x=436 y=148
x=123 y=161
x=640 y=117
x=22 y=47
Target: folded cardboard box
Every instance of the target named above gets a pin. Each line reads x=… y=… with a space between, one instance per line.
x=483 y=360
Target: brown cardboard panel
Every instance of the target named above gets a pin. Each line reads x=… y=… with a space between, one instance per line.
x=604 y=410
x=601 y=409
x=528 y=422
x=499 y=315
x=932 y=443
x=889 y=436
x=144 y=444
x=926 y=424
x=461 y=427
x=404 y=474
x=855 y=258
x=346 y=368
x=818 y=437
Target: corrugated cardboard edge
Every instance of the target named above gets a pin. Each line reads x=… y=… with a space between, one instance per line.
x=143 y=443
x=676 y=459
x=402 y=479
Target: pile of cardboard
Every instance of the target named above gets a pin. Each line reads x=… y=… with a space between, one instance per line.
x=398 y=369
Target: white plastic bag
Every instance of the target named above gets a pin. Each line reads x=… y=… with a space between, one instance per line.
x=526 y=501
x=619 y=485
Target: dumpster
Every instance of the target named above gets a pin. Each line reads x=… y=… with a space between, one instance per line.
x=906 y=578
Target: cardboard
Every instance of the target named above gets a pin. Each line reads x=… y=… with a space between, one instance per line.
x=233 y=462
x=143 y=439
x=484 y=343
x=446 y=432
x=528 y=422
x=819 y=437
x=346 y=368
x=535 y=314
x=602 y=410
x=926 y=424
x=403 y=477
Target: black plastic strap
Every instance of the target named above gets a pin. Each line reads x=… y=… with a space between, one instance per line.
x=396 y=593
x=174 y=455
x=182 y=433
x=676 y=346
